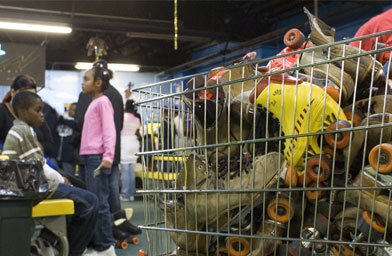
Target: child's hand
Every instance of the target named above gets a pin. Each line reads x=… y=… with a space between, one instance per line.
x=66 y=181
x=105 y=164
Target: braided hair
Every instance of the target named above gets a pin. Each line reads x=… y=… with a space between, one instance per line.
x=101 y=72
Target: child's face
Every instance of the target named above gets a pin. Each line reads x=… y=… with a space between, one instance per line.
x=34 y=115
x=90 y=86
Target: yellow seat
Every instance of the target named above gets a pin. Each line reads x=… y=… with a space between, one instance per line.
x=53 y=207
x=156 y=175
x=51 y=214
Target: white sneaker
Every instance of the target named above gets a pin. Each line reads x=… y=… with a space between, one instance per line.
x=124 y=199
x=108 y=252
x=90 y=252
x=132 y=198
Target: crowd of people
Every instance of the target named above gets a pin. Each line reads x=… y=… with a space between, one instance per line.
x=80 y=153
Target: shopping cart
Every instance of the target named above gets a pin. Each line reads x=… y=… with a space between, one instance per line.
x=293 y=159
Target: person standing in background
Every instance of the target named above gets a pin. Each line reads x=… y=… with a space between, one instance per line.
x=130 y=145
x=97 y=146
x=118 y=106
x=65 y=151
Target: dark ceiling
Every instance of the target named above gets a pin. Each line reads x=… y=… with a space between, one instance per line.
x=141 y=32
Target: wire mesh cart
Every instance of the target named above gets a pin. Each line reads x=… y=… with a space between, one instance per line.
x=291 y=158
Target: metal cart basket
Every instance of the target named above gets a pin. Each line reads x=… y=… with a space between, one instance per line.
x=292 y=158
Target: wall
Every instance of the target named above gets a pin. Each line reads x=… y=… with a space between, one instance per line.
x=63 y=87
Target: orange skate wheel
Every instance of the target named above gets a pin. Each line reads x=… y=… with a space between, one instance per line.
x=315 y=170
x=302 y=178
x=294 y=38
x=328 y=151
x=332 y=92
x=283 y=213
x=376 y=223
x=311 y=195
x=342 y=138
x=238 y=246
x=343 y=250
x=121 y=244
x=385 y=161
x=142 y=253
x=134 y=240
x=291 y=171
x=356 y=117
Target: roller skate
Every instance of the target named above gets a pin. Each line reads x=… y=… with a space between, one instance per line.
x=212 y=117
x=358 y=226
x=178 y=218
x=296 y=123
x=323 y=34
x=368 y=177
x=199 y=176
x=318 y=230
x=375 y=104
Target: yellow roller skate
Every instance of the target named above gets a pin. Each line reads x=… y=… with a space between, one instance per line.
x=303 y=109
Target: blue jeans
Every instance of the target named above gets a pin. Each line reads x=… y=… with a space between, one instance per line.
x=80 y=224
x=99 y=185
x=128 y=180
x=68 y=167
x=82 y=172
x=114 y=189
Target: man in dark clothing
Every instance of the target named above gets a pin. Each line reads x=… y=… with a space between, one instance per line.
x=118 y=106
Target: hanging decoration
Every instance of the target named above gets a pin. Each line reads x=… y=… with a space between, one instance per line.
x=175 y=26
x=96 y=46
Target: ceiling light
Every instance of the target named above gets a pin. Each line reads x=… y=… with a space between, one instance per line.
x=112 y=66
x=2 y=52
x=35 y=27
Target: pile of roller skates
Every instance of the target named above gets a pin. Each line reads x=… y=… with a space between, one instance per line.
x=293 y=162
x=124 y=232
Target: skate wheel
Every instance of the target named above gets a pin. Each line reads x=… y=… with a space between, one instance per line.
x=322 y=224
x=315 y=170
x=291 y=171
x=343 y=250
x=282 y=213
x=385 y=161
x=312 y=195
x=356 y=117
x=294 y=249
x=294 y=38
x=142 y=253
x=302 y=178
x=134 y=240
x=333 y=92
x=328 y=151
x=121 y=244
x=342 y=138
x=376 y=223
x=238 y=246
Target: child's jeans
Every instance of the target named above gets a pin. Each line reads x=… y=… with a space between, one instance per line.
x=99 y=185
x=83 y=221
x=128 y=180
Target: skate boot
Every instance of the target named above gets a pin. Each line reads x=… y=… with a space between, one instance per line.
x=212 y=118
x=208 y=207
x=360 y=226
x=369 y=197
x=291 y=107
x=323 y=34
x=329 y=72
x=175 y=214
x=267 y=246
x=376 y=103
